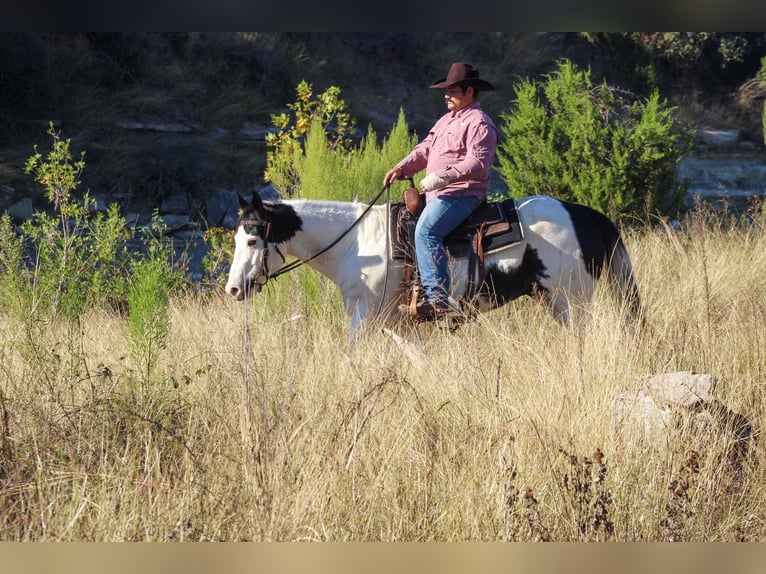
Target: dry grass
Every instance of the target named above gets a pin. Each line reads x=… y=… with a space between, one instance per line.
x=262 y=427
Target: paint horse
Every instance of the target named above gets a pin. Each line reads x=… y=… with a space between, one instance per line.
x=565 y=250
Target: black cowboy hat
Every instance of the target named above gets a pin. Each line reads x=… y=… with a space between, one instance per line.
x=461 y=74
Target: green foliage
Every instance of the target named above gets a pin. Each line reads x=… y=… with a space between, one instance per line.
x=14 y=286
x=151 y=281
x=328 y=111
x=355 y=175
x=589 y=144
x=684 y=49
x=312 y=156
x=318 y=169
x=58 y=173
x=76 y=257
x=220 y=252
x=761 y=74
x=763 y=121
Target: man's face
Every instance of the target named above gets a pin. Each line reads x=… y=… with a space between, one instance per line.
x=456 y=99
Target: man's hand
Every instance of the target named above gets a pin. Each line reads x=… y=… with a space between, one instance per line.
x=392 y=175
x=432 y=182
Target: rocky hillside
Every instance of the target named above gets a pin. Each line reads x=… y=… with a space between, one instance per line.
x=177 y=118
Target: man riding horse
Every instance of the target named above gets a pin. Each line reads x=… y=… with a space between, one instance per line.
x=457 y=155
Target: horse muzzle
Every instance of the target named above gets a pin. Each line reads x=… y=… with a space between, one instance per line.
x=254 y=284
x=236 y=292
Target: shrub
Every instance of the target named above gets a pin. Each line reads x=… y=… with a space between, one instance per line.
x=151 y=282
x=356 y=174
x=312 y=155
x=328 y=110
x=14 y=287
x=75 y=256
x=62 y=263
x=593 y=145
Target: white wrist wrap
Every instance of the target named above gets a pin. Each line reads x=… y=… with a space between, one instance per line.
x=432 y=182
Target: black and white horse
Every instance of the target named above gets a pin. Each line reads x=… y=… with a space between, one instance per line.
x=566 y=248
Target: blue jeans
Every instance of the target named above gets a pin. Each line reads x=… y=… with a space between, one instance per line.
x=440 y=216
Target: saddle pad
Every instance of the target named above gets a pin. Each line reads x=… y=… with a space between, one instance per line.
x=502 y=229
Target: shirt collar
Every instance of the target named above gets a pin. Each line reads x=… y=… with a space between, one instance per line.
x=465 y=110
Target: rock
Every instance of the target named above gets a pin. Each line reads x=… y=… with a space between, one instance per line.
x=683 y=388
x=191 y=247
x=717 y=137
x=151 y=126
x=255 y=132
x=22 y=210
x=269 y=193
x=221 y=207
x=136 y=220
x=177 y=203
x=730 y=176
x=175 y=222
x=669 y=405
x=640 y=412
x=100 y=202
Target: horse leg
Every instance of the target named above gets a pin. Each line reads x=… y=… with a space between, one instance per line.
x=357 y=311
x=361 y=313
x=571 y=308
x=560 y=308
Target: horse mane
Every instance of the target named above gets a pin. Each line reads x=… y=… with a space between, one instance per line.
x=282 y=217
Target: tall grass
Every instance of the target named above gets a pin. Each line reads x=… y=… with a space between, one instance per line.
x=264 y=424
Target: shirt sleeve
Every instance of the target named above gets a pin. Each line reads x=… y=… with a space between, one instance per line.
x=481 y=142
x=417 y=159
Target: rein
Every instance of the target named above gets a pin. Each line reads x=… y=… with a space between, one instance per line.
x=263 y=277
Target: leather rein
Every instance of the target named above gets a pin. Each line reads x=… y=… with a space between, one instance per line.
x=264 y=274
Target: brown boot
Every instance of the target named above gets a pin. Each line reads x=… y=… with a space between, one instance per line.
x=430 y=310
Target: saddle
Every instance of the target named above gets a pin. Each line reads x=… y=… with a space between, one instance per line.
x=490 y=227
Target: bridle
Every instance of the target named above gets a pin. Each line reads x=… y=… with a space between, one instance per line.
x=264 y=274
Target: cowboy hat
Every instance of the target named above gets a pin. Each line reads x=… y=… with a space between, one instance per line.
x=461 y=74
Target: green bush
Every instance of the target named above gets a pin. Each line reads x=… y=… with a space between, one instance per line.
x=328 y=111
x=356 y=174
x=76 y=261
x=14 y=282
x=590 y=144
x=62 y=263
x=311 y=154
x=152 y=279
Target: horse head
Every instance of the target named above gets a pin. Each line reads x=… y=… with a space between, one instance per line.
x=250 y=268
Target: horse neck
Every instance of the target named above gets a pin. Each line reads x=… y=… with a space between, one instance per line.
x=323 y=222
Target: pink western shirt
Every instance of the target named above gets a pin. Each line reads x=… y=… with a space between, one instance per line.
x=461 y=148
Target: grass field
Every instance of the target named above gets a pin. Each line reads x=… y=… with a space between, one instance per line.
x=260 y=421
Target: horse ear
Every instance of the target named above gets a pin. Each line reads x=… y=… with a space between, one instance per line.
x=256 y=202
x=242 y=203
